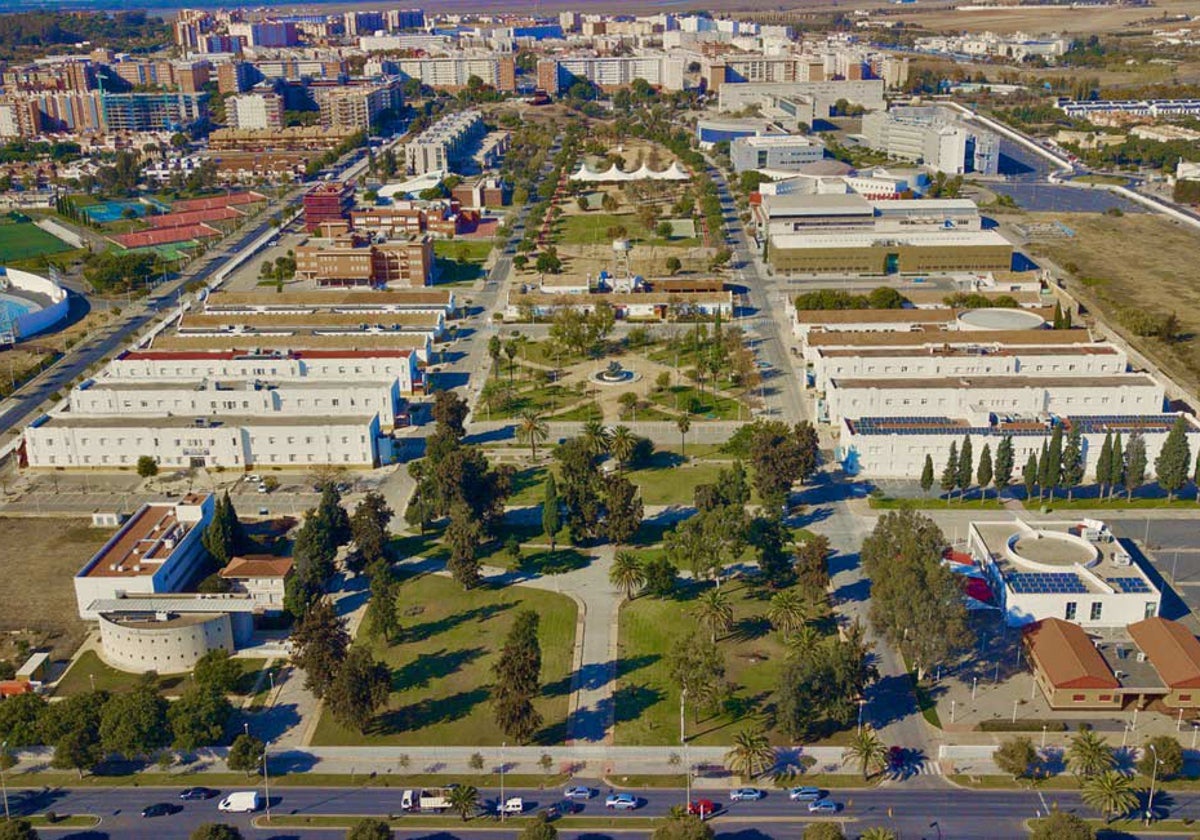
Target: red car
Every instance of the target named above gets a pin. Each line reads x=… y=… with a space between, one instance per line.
x=702 y=808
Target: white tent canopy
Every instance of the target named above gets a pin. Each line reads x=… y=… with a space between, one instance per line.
x=674 y=172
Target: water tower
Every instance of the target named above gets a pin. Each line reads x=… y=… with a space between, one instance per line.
x=621 y=248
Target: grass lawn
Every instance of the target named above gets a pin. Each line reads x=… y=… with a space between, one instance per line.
x=22 y=240
x=543 y=399
x=664 y=484
x=90 y=667
x=441 y=666
x=582 y=412
x=703 y=405
x=463 y=250
x=592 y=229
x=528 y=486
x=455 y=273
x=647 y=703
x=888 y=503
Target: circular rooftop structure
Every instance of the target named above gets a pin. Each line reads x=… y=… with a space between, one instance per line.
x=1050 y=551
x=1000 y=319
x=29 y=304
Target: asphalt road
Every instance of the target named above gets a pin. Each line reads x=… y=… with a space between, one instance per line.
x=916 y=812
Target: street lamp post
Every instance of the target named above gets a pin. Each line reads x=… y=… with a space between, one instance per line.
x=503 y=744
x=1153 y=779
x=3 y=780
x=266 y=783
x=682 y=730
x=1195 y=729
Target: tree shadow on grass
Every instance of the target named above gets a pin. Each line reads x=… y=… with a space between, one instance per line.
x=431 y=666
x=420 y=632
x=427 y=712
x=750 y=628
x=631 y=701
x=556 y=562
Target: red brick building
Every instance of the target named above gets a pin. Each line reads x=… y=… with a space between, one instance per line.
x=327 y=202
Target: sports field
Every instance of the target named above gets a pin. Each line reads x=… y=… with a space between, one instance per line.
x=22 y=240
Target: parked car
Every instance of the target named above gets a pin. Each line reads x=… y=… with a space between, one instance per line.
x=578 y=792
x=805 y=794
x=702 y=808
x=621 y=801
x=823 y=806
x=160 y=809
x=197 y=793
x=746 y=794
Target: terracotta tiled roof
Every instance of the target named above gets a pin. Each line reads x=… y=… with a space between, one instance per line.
x=1172 y=650
x=258 y=566
x=1067 y=656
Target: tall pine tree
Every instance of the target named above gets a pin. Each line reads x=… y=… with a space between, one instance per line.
x=1043 y=472
x=1135 y=463
x=984 y=474
x=966 y=467
x=1072 y=461
x=517 y=679
x=1005 y=464
x=1171 y=465
x=1029 y=475
x=927 y=474
x=1054 y=453
x=1104 y=463
x=950 y=471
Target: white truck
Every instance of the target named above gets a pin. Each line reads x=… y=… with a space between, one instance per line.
x=429 y=799
x=241 y=802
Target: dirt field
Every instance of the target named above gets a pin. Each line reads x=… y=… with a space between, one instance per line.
x=1140 y=258
x=38 y=594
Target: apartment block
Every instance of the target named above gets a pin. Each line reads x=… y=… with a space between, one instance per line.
x=454 y=72
x=665 y=72
x=445 y=143
x=255 y=111
x=355 y=107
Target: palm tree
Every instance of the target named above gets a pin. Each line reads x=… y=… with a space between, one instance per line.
x=752 y=754
x=683 y=423
x=804 y=641
x=495 y=348
x=789 y=611
x=532 y=429
x=596 y=438
x=465 y=800
x=626 y=573
x=622 y=444
x=713 y=612
x=1111 y=793
x=877 y=832
x=867 y=750
x=1089 y=755
x=510 y=350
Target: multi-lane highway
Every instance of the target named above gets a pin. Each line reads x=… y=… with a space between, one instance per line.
x=913 y=812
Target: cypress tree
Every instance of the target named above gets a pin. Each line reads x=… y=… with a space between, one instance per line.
x=984 y=473
x=518 y=679
x=927 y=473
x=1058 y=316
x=1029 y=475
x=1196 y=477
x=1054 y=455
x=1171 y=465
x=1116 y=472
x=1005 y=463
x=965 y=467
x=1135 y=463
x=551 y=518
x=1072 y=461
x=950 y=472
x=1043 y=471
x=1104 y=463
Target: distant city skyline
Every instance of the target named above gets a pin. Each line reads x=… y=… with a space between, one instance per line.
x=168 y=7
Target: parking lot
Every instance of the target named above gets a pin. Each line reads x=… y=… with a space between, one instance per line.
x=1173 y=549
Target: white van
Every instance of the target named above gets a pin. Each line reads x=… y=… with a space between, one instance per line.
x=407 y=800
x=514 y=805
x=241 y=802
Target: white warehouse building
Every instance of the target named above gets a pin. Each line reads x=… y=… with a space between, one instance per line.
x=787 y=152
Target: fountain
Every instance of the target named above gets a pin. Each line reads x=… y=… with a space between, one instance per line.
x=614 y=374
